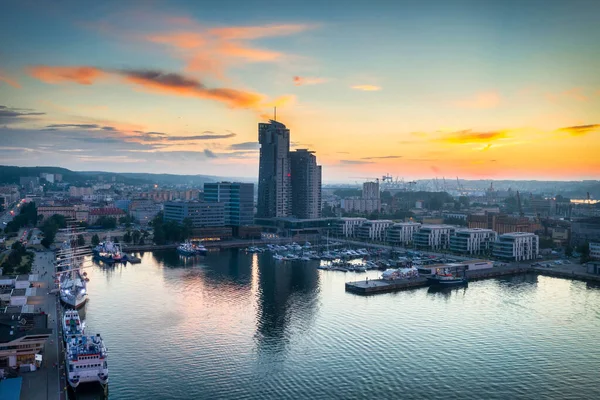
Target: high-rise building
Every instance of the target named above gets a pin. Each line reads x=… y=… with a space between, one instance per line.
x=238 y=199
x=274 y=174
x=370 y=190
x=306 y=184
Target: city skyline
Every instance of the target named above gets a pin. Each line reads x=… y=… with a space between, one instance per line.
x=478 y=91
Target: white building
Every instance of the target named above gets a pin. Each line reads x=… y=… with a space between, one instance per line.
x=517 y=246
x=434 y=237
x=472 y=241
x=347 y=227
x=357 y=204
x=373 y=230
x=402 y=233
x=595 y=251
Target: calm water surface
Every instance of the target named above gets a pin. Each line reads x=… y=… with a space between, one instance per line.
x=239 y=326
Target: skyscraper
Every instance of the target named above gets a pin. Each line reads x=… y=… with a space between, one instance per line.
x=306 y=184
x=274 y=173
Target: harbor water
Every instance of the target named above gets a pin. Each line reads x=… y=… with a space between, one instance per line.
x=233 y=325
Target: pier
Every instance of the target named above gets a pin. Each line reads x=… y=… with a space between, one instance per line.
x=376 y=286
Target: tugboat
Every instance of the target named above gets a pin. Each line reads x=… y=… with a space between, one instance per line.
x=446 y=278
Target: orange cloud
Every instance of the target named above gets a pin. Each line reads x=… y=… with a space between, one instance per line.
x=571 y=94
x=366 y=88
x=212 y=50
x=468 y=136
x=257 y=32
x=81 y=75
x=305 y=80
x=156 y=81
x=580 y=130
x=481 y=100
x=4 y=78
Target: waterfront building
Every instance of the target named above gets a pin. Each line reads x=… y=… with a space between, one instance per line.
x=517 y=246
x=401 y=234
x=306 y=184
x=472 y=241
x=373 y=230
x=347 y=226
x=274 y=172
x=238 y=200
x=22 y=336
x=202 y=214
x=595 y=250
x=108 y=212
x=310 y=229
x=434 y=237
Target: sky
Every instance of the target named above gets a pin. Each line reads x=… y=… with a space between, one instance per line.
x=415 y=89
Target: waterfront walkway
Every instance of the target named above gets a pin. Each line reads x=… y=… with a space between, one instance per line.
x=48 y=382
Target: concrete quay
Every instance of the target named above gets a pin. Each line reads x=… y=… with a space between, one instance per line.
x=48 y=382
x=375 y=286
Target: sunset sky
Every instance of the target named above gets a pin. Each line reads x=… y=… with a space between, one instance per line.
x=417 y=89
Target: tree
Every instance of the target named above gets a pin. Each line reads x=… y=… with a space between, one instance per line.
x=46 y=242
x=80 y=240
x=187 y=227
x=141 y=242
x=127 y=237
x=136 y=235
x=546 y=243
x=116 y=240
x=584 y=250
x=107 y=222
x=569 y=250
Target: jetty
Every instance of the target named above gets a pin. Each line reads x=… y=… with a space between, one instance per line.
x=375 y=286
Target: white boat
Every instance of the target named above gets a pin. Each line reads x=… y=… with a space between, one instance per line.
x=72 y=325
x=72 y=285
x=86 y=358
x=109 y=252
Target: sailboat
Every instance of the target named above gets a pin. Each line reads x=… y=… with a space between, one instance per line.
x=72 y=284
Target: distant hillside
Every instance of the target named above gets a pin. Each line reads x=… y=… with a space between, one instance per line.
x=11 y=175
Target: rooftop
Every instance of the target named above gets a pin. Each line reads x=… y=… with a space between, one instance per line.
x=437 y=226
x=516 y=234
x=22 y=325
x=106 y=211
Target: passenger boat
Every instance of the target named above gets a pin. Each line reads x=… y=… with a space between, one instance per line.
x=72 y=325
x=186 y=249
x=86 y=358
x=445 y=278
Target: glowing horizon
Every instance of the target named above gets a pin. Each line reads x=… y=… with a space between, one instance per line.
x=413 y=91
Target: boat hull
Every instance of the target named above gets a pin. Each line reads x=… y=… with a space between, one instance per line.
x=447 y=282
x=73 y=303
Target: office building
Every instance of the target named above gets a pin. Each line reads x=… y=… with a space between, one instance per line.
x=373 y=230
x=517 y=246
x=472 y=241
x=306 y=184
x=347 y=227
x=237 y=198
x=202 y=214
x=274 y=173
x=434 y=237
x=401 y=234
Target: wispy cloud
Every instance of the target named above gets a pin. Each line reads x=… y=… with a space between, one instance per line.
x=306 y=80
x=580 y=130
x=355 y=162
x=155 y=81
x=6 y=79
x=576 y=94
x=245 y=146
x=469 y=136
x=480 y=100
x=208 y=153
x=380 y=157
x=9 y=115
x=366 y=88
x=214 y=50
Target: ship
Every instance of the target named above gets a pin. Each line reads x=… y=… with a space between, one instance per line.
x=109 y=252
x=446 y=278
x=72 y=284
x=201 y=250
x=86 y=360
x=186 y=249
x=72 y=325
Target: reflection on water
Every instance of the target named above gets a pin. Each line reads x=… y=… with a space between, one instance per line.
x=234 y=325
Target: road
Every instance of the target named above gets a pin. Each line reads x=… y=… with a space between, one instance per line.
x=6 y=217
x=47 y=383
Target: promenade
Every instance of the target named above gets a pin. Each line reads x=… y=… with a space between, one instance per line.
x=48 y=382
